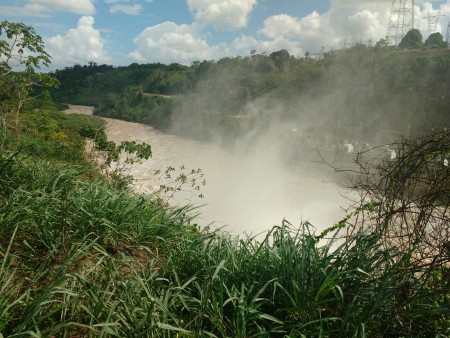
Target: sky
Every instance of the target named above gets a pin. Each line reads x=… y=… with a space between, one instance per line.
x=121 y=32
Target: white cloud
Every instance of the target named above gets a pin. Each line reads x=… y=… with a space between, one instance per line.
x=336 y=3
x=244 y=44
x=286 y=32
x=441 y=24
x=82 y=7
x=169 y=43
x=130 y=10
x=281 y=25
x=29 y=10
x=78 y=45
x=347 y=21
x=223 y=14
x=355 y=23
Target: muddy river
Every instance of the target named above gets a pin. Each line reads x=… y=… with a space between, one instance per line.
x=244 y=192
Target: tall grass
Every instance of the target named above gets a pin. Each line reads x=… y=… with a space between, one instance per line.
x=80 y=257
x=74 y=242
x=289 y=285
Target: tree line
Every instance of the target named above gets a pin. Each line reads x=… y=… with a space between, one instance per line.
x=361 y=88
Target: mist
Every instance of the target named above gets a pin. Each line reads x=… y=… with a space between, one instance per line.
x=276 y=136
x=283 y=147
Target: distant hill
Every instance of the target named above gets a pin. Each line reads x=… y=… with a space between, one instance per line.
x=363 y=90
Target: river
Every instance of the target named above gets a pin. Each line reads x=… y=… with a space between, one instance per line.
x=244 y=192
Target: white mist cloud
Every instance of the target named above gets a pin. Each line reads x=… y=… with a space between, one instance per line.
x=169 y=42
x=82 y=7
x=78 y=45
x=223 y=14
x=127 y=9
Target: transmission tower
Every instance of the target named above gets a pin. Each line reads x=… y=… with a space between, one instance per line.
x=401 y=20
x=433 y=20
x=447 y=38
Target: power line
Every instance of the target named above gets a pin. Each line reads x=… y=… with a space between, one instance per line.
x=433 y=20
x=401 y=20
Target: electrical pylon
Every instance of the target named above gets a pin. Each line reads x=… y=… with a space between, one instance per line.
x=447 y=38
x=401 y=20
x=433 y=20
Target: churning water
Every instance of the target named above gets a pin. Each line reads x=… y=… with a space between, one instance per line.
x=245 y=192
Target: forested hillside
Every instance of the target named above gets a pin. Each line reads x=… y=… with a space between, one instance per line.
x=372 y=90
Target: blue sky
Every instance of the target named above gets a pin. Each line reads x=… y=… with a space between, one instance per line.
x=121 y=32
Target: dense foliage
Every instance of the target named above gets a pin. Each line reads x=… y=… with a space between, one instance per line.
x=22 y=48
x=411 y=40
x=435 y=41
x=89 y=84
x=135 y=106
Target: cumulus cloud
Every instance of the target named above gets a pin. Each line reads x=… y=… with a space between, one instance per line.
x=127 y=9
x=281 y=25
x=445 y=10
x=82 y=7
x=440 y=24
x=285 y=32
x=342 y=23
x=371 y=17
x=346 y=22
x=29 y=10
x=223 y=14
x=169 y=43
x=244 y=44
x=78 y=45
x=354 y=2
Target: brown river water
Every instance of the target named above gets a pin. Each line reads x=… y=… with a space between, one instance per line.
x=244 y=192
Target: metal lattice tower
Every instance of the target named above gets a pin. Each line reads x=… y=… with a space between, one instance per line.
x=447 y=38
x=401 y=20
x=433 y=20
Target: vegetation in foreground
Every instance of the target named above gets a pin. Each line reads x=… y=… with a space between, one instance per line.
x=82 y=256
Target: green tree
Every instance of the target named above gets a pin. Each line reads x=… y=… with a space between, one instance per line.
x=382 y=43
x=281 y=59
x=412 y=40
x=435 y=41
x=22 y=54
